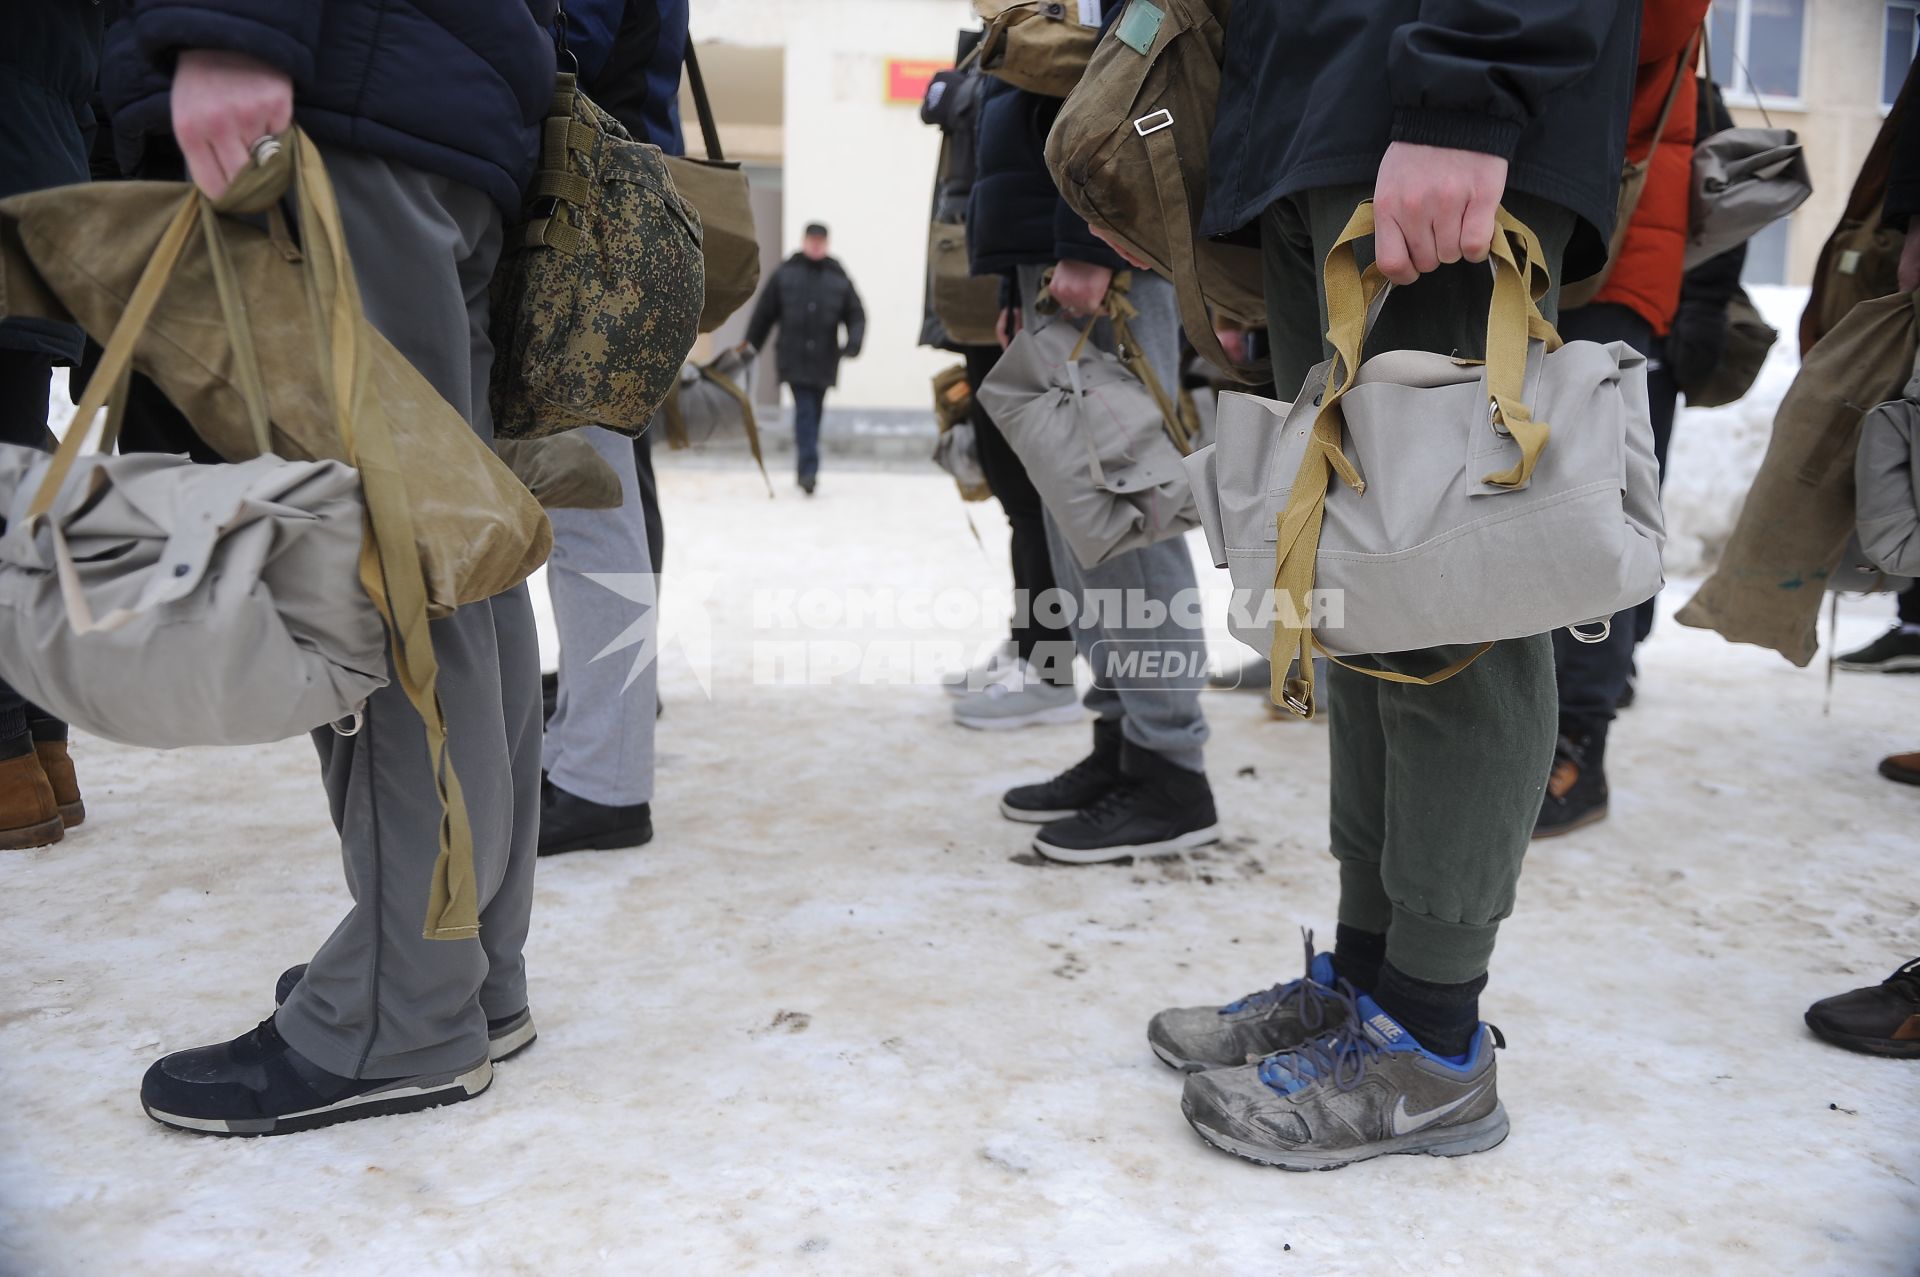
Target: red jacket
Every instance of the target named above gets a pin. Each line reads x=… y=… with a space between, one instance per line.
x=1647 y=275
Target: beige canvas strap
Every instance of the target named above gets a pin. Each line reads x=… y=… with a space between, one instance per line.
x=1513 y=322
x=676 y=421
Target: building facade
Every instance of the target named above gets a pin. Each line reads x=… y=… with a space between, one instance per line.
x=814 y=95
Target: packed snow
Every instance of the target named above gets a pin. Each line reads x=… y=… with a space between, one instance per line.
x=835 y=1020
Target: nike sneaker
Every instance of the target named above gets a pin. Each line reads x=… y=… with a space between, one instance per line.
x=1364 y=1090
x=1277 y=1019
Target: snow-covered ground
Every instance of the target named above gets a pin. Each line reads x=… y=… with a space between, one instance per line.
x=834 y=1020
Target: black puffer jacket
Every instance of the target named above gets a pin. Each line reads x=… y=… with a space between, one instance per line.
x=48 y=65
x=1313 y=92
x=810 y=302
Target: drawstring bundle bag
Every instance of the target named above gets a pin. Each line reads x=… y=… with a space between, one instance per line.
x=1416 y=500
x=1097 y=433
x=164 y=604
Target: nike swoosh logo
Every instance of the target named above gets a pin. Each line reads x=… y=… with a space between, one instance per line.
x=1405 y=1123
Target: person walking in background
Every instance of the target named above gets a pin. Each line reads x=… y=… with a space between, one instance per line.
x=426 y=168
x=1379 y=1047
x=48 y=69
x=1143 y=788
x=810 y=299
x=1636 y=304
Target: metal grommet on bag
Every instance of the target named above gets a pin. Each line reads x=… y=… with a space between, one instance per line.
x=351 y=724
x=1583 y=634
x=264 y=150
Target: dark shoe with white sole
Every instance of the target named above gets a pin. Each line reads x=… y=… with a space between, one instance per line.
x=259 y=1085
x=506 y=1037
x=1895 y=652
x=1073 y=790
x=1156 y=808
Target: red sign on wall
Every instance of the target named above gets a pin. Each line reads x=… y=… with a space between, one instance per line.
x=907 y=79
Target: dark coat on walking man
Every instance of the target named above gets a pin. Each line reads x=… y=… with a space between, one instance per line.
x=810 y=301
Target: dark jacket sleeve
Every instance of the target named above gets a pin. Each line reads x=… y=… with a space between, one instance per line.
x=281 y=33
x=1473 y=74
x=1903 y=179
x=766 y=312
x=620 y=86
x=854 y=316
x=593 y=27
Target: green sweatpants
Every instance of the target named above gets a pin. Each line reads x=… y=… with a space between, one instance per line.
x=1435 y=789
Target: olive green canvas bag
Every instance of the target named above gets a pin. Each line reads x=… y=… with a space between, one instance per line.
x=1129 y=153
x=161 y=279
x=718 y=190
x=1041 y=46
x=598 y=294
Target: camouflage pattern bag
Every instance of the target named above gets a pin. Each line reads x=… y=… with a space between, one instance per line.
x=597 y=298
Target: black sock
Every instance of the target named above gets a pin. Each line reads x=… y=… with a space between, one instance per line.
x=1442 y=1017
x=1357 y=956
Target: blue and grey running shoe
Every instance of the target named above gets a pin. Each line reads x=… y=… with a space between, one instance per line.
x=1276 y=1019
x=1361 y=1091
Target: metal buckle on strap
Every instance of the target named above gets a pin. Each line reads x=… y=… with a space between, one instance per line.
x=1161 y=119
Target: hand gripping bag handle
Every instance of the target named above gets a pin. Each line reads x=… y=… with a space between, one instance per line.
x=390 y=567
x=1513 y=321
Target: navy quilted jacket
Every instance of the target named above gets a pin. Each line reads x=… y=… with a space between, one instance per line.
x=455 y=87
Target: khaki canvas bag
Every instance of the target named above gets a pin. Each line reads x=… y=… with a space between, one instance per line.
x=1097 y=433
x=562 y=472
x=1434 y=500
x=719 y=190
x=709 y=400
x=957 y=450
x=1749 y=340
x=1800 y=512
x=597 y=297
x=154 y=271
x=1861 y=258
x=1129 y=154
x=1037 y=45
x=967 y=306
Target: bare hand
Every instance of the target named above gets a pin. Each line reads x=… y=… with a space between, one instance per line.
x=222 y=104
x=1006 y=326
x=1080 y=287
x=1910 y=257
x=1118 y=248
x=1433 y=206
x=1233 y=344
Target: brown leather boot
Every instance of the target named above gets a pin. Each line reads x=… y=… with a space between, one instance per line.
x=58 y=765
x=29 y=817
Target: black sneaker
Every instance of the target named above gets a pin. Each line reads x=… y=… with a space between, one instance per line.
x=1577 y=786
x=808 y=484
x=1882 y=1019
x=571 y=823
x=1156 y=808
x=1073 y=790
x=1895 y=652
x=258 y=1085
x=507 y=1036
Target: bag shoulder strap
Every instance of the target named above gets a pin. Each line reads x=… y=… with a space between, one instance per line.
x=709 y=132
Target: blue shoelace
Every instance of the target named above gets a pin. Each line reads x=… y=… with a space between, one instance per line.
x=1341 y=1057
x=1312 y=1009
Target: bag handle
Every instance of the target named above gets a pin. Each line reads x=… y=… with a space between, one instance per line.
x=1513 y=322
x=709 y=131
x=1119 y=312
x=676 y=421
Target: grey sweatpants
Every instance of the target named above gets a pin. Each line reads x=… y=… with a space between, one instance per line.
x=600 y=742
x=1434 y=790
x=1155 y=713
x=378 y=1001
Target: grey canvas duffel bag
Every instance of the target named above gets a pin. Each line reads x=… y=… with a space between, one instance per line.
x=1419 y=500
x=163 y=603
x=1886 y=479
x=1097 y=434
x=1744 y=180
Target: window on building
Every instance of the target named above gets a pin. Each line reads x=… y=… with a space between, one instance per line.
x=1767 y=254
x=1758 y=48
x=1902 y=43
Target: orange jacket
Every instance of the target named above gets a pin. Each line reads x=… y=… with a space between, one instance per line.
x=1647 y=276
